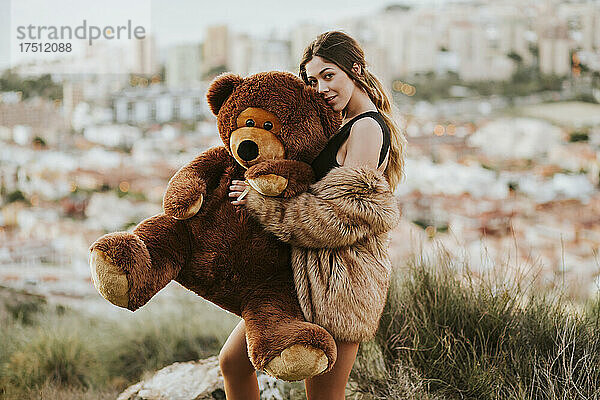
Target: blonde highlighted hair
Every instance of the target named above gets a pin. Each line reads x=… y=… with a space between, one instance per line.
x=341 y=49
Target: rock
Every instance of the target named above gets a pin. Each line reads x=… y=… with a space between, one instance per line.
x=194 y=380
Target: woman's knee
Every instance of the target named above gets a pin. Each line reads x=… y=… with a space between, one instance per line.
x=332 y=384
x=234 y=364
x=233 y=357
x=227 y=361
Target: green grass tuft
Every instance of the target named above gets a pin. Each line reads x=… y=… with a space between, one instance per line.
x=463 y=338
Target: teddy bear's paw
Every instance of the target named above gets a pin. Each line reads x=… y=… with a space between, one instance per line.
x=184 y=196
x=297 y=362
x=283 y=178
x=109 y=279
x=181 y=205
x=269 y=184
x=189 y=210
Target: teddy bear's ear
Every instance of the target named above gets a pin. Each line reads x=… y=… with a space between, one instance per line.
x=330 y=119
x=220 y=89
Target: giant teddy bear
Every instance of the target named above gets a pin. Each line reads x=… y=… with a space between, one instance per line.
x=272 y=126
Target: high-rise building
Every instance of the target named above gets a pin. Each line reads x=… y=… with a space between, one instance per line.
x=408 y=40
x=142 y=59
x=184 y=65
x=582 y=18
x=241 y=54
x=422 y=46
x=269 y=54
x=216 y=55
x=300 y=38
x=469 y=42
x=512 y=38
x=597 y=31
x=553 y=45
x=249 y=55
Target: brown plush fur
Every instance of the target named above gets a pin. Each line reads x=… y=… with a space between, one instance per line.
x=222 y=253
x=306 y=122
x=339 y=256
x=259 y=116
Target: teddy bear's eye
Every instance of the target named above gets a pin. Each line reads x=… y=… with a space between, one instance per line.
x=268 y=125
x=249 y=122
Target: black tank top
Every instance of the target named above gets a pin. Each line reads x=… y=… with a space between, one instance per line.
x=326 y=160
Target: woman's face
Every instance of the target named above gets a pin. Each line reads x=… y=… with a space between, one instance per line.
x=332 y=82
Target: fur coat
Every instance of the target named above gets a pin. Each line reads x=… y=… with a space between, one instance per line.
x=339 y=236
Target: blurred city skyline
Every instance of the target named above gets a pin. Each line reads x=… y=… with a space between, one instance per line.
x=182 y=22
x=500 y=102
x=185 y=21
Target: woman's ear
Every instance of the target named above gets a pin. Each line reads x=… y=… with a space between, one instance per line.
x=220 y=89
x=357 y=69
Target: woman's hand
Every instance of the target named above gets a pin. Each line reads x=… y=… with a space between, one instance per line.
x=235 y=190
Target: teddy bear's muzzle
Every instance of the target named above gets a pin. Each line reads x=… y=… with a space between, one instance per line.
x=250 y=146
x=247 y=150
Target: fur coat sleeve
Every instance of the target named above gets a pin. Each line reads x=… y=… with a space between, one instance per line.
x=344 y=207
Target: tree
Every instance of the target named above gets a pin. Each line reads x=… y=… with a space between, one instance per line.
x=515 y=57
x=42 y=86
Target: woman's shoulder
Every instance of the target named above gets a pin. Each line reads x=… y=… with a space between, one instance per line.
x=365 y=136
x=366 y=126
x=368 y=141
x=371 y=122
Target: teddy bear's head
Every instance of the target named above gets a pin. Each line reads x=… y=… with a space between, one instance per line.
x=271 y=116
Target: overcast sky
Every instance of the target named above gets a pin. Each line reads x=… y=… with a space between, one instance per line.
x=185 y=20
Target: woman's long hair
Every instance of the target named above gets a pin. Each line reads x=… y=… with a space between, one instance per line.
x=339 y=48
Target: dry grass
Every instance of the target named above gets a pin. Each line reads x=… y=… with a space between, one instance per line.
x=59 y=353
x=50 y=391
x=447 y=334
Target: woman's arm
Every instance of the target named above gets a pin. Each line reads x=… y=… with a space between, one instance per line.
x=364 y=144
x=347 y=205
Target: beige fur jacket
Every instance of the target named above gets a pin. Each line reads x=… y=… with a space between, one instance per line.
x=339 y=236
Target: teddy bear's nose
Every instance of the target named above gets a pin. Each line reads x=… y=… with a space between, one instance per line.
x=247 y=150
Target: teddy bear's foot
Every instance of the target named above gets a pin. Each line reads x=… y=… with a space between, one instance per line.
x=292 y=350
x=110 y=281
x=113 y=257
x=297 y=362
x=269 y=184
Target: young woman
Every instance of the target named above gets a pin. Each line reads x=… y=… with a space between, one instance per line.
x=334 y=64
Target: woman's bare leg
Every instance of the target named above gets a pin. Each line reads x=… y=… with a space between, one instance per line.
x=238 y=372
x=332 y=385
